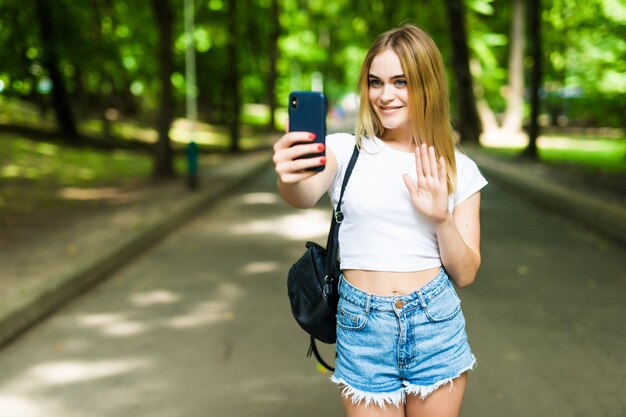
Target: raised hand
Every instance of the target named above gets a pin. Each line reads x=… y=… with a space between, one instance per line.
x=430 y=194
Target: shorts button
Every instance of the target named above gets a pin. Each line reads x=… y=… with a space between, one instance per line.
x=399 y=304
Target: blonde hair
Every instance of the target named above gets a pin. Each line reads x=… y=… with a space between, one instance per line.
x=427 y=85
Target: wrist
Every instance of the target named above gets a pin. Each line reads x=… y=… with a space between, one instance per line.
x=442 y=220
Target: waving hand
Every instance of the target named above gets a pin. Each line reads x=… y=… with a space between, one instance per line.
x=430 y=194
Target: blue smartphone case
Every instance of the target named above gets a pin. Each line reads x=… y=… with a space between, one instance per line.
x=307 y=113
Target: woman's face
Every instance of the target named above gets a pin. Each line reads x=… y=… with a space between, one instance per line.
x=388 y=93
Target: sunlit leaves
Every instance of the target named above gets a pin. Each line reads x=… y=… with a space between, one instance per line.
x=108 y=47
x=615 y=10
x=481 y=6
x=216 y=5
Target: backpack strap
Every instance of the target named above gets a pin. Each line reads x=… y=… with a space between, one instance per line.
x=313 y=350
x=332 y=245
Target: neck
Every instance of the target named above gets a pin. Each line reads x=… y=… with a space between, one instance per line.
x=399 y=137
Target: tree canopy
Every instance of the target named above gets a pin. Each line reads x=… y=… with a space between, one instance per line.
x=106 y=52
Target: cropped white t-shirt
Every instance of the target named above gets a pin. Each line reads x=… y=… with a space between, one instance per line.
x=382 y=230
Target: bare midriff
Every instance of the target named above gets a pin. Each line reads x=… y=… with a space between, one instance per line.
x=389 y=283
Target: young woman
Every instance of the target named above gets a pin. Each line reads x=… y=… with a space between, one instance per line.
x=411 y=228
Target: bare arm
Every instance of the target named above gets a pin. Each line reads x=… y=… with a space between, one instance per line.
x=458 y=234
x=459 y=241
x=300 y=188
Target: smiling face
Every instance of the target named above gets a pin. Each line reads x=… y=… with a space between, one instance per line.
x=388 y=94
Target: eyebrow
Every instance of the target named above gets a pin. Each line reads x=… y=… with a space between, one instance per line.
x=395 y=77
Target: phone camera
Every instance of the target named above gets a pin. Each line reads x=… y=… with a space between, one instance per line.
x=294 y=102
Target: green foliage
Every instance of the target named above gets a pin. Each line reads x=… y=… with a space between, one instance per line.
x=24 y=160
x=605 y=154
x=584 y=47
x=587 y=52
x=108 y=51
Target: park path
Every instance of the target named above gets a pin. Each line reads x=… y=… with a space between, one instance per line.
x=200 y=325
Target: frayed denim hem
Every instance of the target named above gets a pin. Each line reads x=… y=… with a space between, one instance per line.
x=380 y=399
x=425 y=391
x=396 y=398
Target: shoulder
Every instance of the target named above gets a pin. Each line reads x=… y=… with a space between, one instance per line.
x=340 y=140
x=341 y=145
x=463 y=161
x=469 y=179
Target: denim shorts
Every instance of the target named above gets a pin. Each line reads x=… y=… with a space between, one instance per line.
x=390 y=347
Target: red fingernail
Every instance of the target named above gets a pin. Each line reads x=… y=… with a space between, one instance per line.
x=322 y=160
x=320 y=147
x=312 y=135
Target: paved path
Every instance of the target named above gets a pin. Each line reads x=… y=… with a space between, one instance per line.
x=200 y=325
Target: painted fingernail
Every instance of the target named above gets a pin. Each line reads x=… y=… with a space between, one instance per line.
x=312 y=135
x=322 y=160
x=320 y=147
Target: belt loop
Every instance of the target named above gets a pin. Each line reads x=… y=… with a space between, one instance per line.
x=368 y=304
x=420 y=297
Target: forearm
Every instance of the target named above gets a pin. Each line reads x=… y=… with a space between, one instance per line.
x=297 y=195
x=459 y=260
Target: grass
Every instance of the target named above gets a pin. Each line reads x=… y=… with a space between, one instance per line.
x=590 y=153
x=33 y=172
x=254 y=120
x=35 y=176
x=40 y=172
x=50 y=163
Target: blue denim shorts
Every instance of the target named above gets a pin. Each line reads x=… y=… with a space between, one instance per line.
x=390 y=347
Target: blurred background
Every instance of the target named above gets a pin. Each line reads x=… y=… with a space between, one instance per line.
x=116 y=73
x=113 y=112
x=121 y=121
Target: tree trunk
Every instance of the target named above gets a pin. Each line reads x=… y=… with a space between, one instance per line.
x=534 y=12
x=233 y=56
x=60 y=98
x=273 y=57
x=163 y=163
x=468 y=125
x=514 y=114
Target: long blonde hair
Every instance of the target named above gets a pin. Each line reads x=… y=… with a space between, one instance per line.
x=429 y=103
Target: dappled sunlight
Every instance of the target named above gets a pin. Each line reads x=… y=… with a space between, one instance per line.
x=519 y=140
x=22 y=406
x=71 y=372
x=259 y=267
x=155 y=297
x=210 y=311
x=260 y=198
x=206 y=312
x=561 y=142
x=203 y=313
x=105 y=193
x=116 y=325
x=123 y=329
x=99 y=319
x=500 y=138
x=302 y=225
x=184 y=130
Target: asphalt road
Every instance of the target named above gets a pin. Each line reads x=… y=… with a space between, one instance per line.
x=200 y=325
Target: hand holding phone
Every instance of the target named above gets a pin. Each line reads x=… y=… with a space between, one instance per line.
x=307 y=113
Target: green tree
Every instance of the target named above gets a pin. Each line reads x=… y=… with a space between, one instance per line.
x=273 y=60
x=51 y=57
x=163 y=166
x=534 y=18
x=468 y=125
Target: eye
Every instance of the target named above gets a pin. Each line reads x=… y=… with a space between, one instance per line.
x=400 y=83
x=374 y=82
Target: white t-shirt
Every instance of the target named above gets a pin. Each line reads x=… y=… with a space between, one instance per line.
x=382 y=230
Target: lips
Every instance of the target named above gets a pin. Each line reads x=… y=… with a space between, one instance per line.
x=389 y=109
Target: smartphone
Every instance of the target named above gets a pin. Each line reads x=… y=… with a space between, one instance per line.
x=307 y=113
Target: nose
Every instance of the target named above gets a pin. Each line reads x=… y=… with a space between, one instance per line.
x=387 y=93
